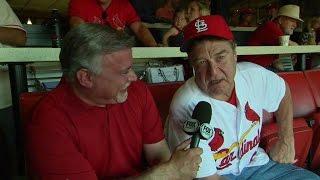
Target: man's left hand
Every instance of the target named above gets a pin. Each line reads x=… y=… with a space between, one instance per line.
x=283 y=152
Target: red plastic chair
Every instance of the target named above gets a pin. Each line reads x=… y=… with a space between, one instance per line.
x=162 y=94
x=28 y=102
x=313 y=77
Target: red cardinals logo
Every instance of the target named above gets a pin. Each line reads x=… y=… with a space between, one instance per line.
x=217 y=141
x=250 y=114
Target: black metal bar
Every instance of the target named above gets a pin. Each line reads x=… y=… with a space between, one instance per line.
x=19 y=84
x=303 y=62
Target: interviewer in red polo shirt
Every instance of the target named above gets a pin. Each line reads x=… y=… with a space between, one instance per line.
x=269 y=33
x=100 y=122
x=118 y=14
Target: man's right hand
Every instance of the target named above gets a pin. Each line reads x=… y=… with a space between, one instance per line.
x=185 y=161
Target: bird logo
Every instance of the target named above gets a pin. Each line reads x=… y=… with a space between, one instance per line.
x=251 y=115
x=218 y=139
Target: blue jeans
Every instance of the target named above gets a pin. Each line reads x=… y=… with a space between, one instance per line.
x=273 y=170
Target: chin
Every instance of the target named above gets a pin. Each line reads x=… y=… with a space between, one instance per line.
x=217 y=93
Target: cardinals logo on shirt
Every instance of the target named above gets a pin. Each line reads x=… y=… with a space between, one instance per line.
x=251 y=115
x=218 y=139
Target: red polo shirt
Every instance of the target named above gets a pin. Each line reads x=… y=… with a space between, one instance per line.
x=265 y=35
x=68 y=139
x=118 y=15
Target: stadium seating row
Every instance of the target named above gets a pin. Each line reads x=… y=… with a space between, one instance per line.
x=305 y=91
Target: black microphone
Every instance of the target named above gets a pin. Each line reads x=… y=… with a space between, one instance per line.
x=200 y=123
x=191 y=126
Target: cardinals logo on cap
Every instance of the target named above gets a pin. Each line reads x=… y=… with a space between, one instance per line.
x=213 y=25
x=201 y=25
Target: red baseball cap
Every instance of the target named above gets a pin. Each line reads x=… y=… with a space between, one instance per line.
x=212 y=25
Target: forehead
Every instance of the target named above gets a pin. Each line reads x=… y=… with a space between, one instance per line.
x=118 y=60
x=289 y=19
x=192 y=4
x=212 y=46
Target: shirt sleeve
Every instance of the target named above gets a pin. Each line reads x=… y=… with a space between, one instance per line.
x=273 y=32
x=274 y=90
x=152 y=124
x=266 y=35
x=131 y=14
x=8 y=18
x=51 y=151
x=76 y=8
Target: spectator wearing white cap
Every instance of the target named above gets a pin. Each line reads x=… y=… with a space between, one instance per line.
x=237 y=94
x=268 y=34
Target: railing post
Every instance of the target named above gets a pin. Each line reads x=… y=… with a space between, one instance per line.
x=19 y=84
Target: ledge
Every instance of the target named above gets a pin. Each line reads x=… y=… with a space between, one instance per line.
x=9 y=55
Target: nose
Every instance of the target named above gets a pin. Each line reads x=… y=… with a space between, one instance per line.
x=132 y=76
x=294 y=24
x=213 y=68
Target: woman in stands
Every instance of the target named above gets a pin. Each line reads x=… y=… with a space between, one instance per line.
x=197 y=8
x=174 y=36
x=193 y=10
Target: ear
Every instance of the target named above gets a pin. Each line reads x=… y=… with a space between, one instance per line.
x=280 y=19
x=84 y=78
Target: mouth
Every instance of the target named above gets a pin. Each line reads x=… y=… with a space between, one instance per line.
x=215 y=82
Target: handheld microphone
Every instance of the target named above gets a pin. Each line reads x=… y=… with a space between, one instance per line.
x=199 y=126
x=190 y=126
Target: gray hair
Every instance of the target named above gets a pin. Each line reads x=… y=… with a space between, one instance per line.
x=84 y=46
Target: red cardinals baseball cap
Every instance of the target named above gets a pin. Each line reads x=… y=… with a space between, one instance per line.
x=213 y=25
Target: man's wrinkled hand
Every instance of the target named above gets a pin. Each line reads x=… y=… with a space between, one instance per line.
x=185 y=162
x=283 y=152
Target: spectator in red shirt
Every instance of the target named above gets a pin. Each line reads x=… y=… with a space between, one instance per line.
x=269 y=33
x=118 y=14
x=246 y=17
x=167 y=11
x=100 y=122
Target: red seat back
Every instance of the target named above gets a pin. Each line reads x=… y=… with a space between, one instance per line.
x=28 y=102
x=162 y=94
x=302 y=98
x=313 y=78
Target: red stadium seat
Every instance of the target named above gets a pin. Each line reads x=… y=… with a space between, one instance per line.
x=303 y=107
x=162 y=94
x=313 y=77
x=28 y=102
